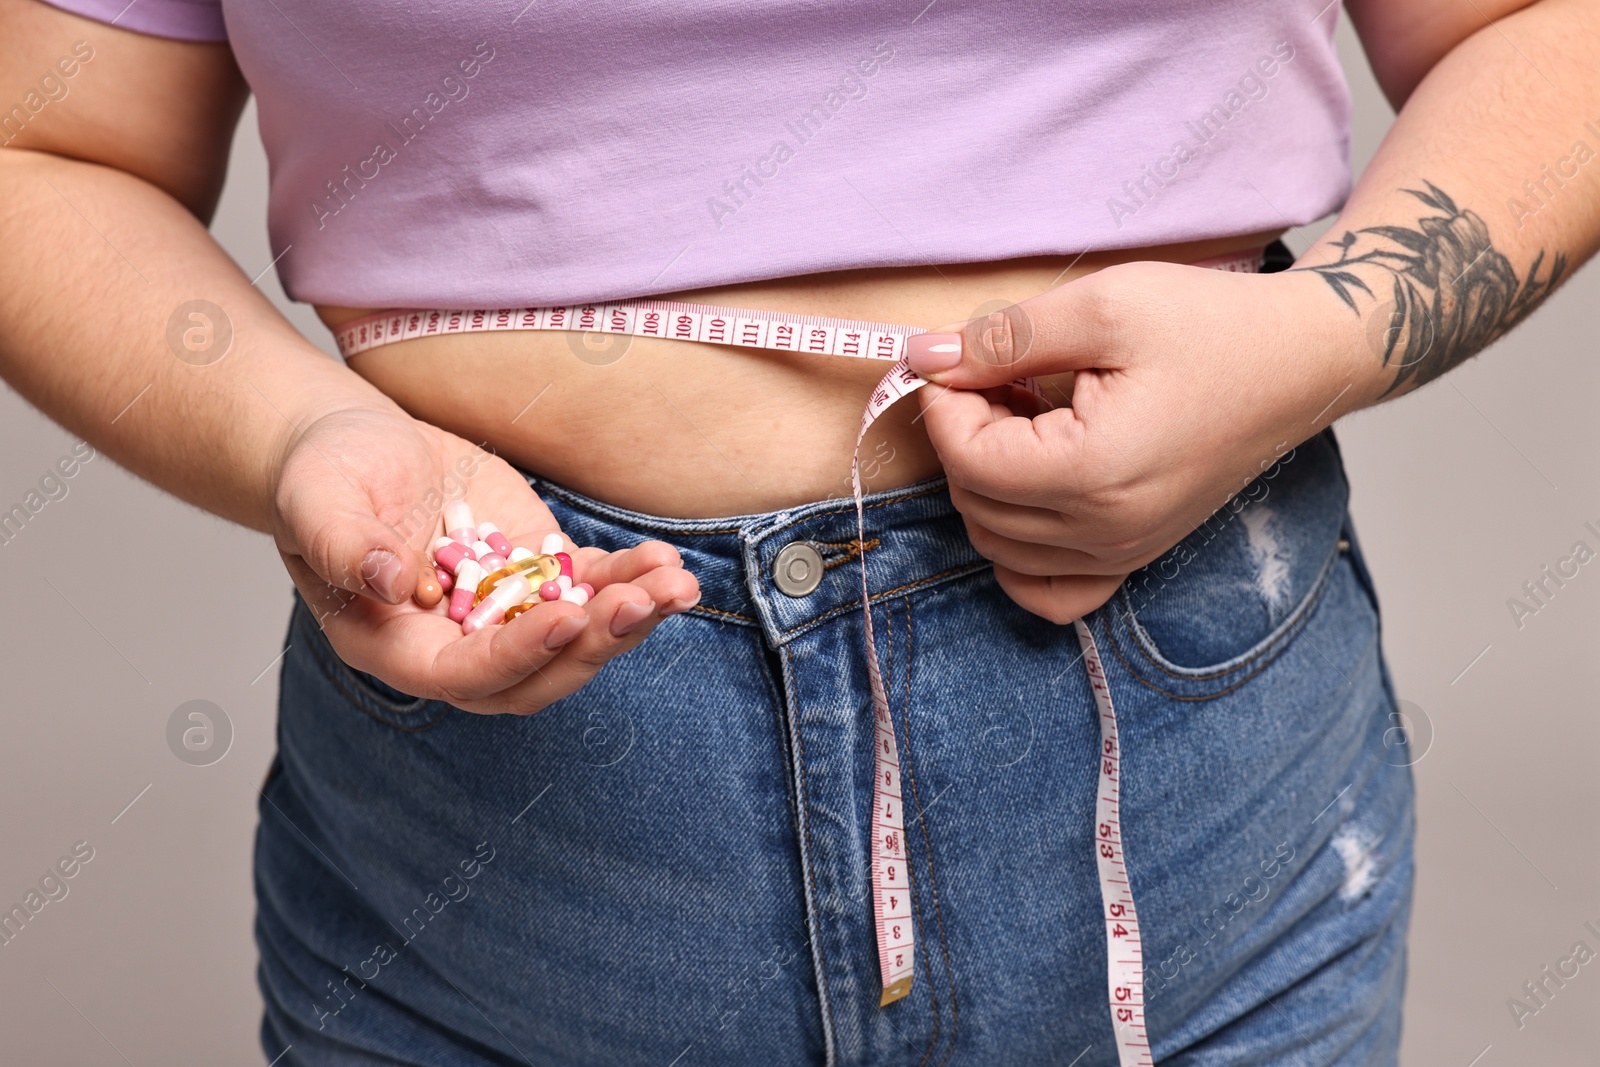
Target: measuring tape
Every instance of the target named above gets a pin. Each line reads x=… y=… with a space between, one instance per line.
x=785 y=332
x=1124 y=954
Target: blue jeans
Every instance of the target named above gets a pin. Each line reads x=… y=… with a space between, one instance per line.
x=671 y=866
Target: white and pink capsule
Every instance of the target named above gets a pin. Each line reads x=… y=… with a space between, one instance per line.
x=490 y=534
x=491 y=610
x=488 y=557
x=467 y=579
x=458 y=522
x=449 y=554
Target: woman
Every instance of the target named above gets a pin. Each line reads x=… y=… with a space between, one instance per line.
x=669 y=863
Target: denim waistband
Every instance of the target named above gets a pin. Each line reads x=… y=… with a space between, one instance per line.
x=914 y=539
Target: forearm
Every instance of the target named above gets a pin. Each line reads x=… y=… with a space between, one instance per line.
x=96 y=265
x=1483 y=197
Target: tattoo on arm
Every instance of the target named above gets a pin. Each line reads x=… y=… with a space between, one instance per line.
x=1453 y=291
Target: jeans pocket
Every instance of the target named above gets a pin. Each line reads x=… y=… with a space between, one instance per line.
x=370 y=694
x=1238 y=588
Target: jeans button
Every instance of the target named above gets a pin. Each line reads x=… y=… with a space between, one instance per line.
x=797 y=570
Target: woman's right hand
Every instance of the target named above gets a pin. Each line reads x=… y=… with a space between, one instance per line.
x=357 y=502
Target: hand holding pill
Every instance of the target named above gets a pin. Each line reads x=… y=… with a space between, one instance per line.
x=489 y=624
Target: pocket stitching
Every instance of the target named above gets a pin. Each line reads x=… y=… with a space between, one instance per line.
x=1152 y=652
x=1261 y=656
x=1116 y=647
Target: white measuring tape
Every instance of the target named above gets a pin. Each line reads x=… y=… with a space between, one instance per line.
x=785 y=332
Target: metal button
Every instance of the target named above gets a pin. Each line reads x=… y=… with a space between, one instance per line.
x=797 y=570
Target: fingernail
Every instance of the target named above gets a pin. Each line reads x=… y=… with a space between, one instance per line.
x=677 y=604
x=381 y=569
x=566 y=628
x=629 y=616
x=929 y=353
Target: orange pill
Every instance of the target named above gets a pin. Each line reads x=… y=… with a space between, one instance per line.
x=429 y=591
x=517 y=609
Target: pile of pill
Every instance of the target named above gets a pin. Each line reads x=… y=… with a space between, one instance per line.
x=489 y=581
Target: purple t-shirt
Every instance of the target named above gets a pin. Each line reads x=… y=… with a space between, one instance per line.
x=517 y=153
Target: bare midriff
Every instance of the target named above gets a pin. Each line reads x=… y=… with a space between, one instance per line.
x=695 y=430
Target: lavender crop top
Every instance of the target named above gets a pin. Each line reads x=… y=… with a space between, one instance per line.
x=517 y=153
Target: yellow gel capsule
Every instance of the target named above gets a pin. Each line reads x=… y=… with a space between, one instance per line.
x=545 y=568
x=517 y=609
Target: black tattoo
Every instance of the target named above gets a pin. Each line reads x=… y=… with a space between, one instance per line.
x=1453 y=294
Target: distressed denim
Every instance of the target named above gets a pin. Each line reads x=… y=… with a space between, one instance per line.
x=670 y=867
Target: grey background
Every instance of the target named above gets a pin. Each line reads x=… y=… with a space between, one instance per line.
x=122 y=604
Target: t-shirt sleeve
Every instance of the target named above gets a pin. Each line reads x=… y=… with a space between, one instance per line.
x=182 y=20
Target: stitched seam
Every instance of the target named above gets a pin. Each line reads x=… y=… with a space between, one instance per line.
x=726 y=614
x=852 y=550
x=968 y=568
x=927 y=844
x=1282 y=647
x=1305 y=606
x=891 y=500
x=360 y=700
x=811 y=867
x=916 y=905
x=786 y=751
x=877 y=504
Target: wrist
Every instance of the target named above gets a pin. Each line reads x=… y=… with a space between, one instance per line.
x=313 y=399
x=1337 y=350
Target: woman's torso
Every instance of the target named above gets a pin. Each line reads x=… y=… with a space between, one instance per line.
x=695 y=430
x=561 y=154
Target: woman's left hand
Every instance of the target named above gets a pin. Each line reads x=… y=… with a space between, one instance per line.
x=1185 y=384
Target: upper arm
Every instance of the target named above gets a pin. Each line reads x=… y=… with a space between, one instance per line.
x=1403 y=39
x=159 y=109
